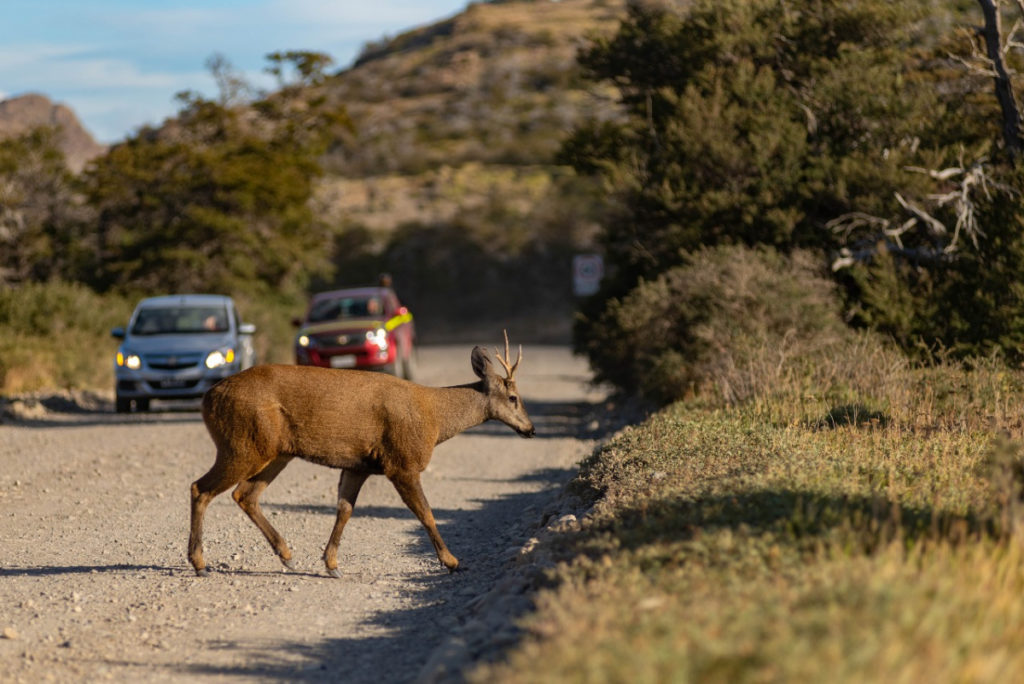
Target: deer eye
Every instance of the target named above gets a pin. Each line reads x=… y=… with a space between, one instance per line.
x=514 y=400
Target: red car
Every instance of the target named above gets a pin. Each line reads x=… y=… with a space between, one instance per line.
x=366 y=328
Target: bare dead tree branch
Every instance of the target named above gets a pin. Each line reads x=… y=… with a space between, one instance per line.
x=937 y=226
x=993 y=35
x=971 y=182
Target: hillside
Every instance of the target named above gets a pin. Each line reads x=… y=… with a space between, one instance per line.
x=448 y=115
x=18 y=115
x=448 y=179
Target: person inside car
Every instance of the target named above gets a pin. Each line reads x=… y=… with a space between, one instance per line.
x=214 y=323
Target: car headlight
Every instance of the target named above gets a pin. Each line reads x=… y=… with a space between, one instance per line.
x=128 y=360
x=304 y=341
x=219 y=357
x=379 y=337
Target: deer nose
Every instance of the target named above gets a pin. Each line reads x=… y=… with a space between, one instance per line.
x=528 y=433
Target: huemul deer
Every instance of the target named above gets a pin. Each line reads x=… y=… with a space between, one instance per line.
x=362 y=422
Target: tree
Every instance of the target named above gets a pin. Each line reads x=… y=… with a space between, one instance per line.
x=755 y=122
x=218 y=198
x=39 y=212
x=842 y=127
x=995 y=50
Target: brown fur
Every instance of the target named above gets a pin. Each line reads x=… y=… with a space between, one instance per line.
x=361 y=422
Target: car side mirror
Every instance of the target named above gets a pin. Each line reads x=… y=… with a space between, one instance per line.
x=246 y=329
x=117 y=332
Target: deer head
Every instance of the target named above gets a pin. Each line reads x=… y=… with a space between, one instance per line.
x=503 y=400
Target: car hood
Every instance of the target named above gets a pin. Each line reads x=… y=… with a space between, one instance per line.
x=178 y=344
x=342 y=326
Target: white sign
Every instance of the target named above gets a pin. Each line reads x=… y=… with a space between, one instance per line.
x=587 y=271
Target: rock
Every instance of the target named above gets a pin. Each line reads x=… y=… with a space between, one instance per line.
x=19 y=115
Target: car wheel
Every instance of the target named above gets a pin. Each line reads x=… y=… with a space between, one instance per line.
x=122 y=405
x=142 y=404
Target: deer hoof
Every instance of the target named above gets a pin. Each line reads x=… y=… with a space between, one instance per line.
x=334 y=572
x=288 y=564
x=202 y=572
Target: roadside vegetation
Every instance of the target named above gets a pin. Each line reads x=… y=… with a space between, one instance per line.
x=814 y=254
x=867 y=528
x=869 y=134
x=52 y=336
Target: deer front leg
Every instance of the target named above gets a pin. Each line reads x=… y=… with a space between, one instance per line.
x=349 y=485
x=409 y=488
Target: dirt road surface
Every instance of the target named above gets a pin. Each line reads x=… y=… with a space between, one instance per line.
x=94 y=583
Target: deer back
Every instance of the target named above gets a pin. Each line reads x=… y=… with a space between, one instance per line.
x=349 y=419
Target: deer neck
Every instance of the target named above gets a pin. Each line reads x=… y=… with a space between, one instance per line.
x=460 y=408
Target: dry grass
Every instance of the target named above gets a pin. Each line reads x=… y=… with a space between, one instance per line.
x=497 y=84
x=436 y=196
x=56 y=336
x=867 y=530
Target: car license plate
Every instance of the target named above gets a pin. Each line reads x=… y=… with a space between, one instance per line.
x=343 y=361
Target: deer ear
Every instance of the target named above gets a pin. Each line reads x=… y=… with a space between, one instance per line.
x=481 y=363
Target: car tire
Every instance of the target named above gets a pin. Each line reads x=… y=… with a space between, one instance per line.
x=142 y=404
x=122 y=405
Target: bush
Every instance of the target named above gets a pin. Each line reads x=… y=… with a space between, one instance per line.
x=731 y=318
x=57 y=335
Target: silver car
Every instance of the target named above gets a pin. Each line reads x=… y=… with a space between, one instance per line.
x=177 y=347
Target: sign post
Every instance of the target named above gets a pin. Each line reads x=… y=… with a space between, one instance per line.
x=587 y=271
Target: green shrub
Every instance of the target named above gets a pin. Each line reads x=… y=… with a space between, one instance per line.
x=732 y=318
x=57 y=335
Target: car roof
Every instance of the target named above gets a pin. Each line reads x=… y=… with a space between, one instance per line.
x=186 y=300
x=352 y=292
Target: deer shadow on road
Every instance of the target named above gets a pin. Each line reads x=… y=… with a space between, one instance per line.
x=441 y=601
x=486 y=539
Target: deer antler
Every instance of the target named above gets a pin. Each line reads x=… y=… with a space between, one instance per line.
x=509 y=370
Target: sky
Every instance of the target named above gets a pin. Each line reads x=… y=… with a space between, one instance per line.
x=119 y=63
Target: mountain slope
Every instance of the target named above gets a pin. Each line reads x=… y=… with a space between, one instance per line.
x=449 y=114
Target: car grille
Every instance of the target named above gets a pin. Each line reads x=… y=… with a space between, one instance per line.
x=174 y=384
x=337 y=340
x=172 y=361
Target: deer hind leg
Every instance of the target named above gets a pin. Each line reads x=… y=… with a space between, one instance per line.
x=247 y=495
x=411 y=491
x=349 y=485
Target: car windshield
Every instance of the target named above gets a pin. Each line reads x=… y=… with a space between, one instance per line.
x=344 y=307
x=170 y=320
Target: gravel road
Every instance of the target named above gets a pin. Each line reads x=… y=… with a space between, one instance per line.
x=94 y=583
